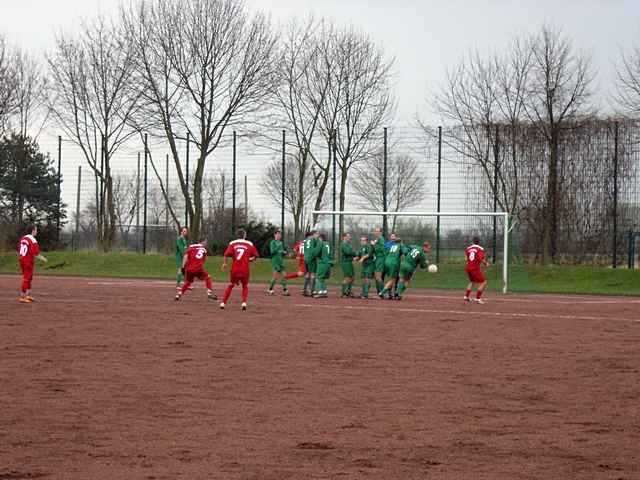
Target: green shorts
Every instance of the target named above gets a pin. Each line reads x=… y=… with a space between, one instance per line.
x=178 y=261
x=406 y=271
x=347 y=269
x=277 y=267
x=379 y=265
x=310 y=266
x=368 y=270
x=391 y=271
x=324 y=271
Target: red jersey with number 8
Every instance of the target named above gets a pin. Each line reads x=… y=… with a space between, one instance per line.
x=474 y=255
x=196 y=256
x=242 y=252
x=28 y=249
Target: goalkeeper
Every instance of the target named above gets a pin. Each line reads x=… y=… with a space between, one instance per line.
x=416 y=256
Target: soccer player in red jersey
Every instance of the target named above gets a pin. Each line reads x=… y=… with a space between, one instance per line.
x=298 y=249
x=28 y=251
x=193 y=267
x=243 y=252
x=475 y=258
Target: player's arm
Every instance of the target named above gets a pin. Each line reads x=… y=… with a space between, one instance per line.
x=227 y=253
x=254 y=254
x=423 y=261
x=185 y=257
x=42 y=258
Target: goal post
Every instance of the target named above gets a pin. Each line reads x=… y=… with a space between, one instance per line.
x=503 y=215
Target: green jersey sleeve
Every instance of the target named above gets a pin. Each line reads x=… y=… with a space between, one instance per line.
x=181 y=246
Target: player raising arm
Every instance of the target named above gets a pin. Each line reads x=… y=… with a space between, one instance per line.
x=277 y=250
x=368 y=265
x=415 y=257
x=28 y=251
x=475 y=258
x=193 y=267
x=242 y=252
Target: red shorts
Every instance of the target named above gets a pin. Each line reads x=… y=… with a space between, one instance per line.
x=239 y=278
x=301 y=264
x=476 y=276
x=190 y=275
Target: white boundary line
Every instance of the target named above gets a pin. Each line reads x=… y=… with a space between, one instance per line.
x=467 y=312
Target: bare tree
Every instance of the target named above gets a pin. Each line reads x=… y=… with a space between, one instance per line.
x=94 y=99
x=405 y=183
x=558 y=94
x=359 y=101
x=7 y=82
x=628 y=81
x=483 y=96
x=299 y=193
x=30 y=94
x=302 y=85
x=203 y=66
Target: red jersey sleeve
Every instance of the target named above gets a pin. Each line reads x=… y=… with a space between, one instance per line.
x=228 y=252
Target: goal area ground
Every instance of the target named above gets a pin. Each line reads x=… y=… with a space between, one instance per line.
x=106 y=378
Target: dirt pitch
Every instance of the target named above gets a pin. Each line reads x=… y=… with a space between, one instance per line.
x=112 y=379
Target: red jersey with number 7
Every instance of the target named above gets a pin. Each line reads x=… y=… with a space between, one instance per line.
x=28 y=249
x=474 y=255
x=196 y=256
x=242 y=252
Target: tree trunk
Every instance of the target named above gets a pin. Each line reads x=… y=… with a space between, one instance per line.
x=549 y=232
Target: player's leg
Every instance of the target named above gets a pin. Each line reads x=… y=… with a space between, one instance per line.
x=378 y=278
x=274 y=279
x=227 y=291
x=27 y=277
x=188 y=280
x=245 y=292
x=283 y=281
x=207 y=280
x=389 y=273
x=480 y=291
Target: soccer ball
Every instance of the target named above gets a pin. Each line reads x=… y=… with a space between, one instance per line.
x=433 y=268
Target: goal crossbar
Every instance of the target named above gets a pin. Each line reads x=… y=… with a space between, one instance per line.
x=504 y=215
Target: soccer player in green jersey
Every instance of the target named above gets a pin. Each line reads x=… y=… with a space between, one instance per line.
x=277 y=250
x=181 y=248
x=392 y=267
x=312 y=249
x=347 y=254
x=415 y=257
x=366 y=256
x=325 y=262
x=379 y=254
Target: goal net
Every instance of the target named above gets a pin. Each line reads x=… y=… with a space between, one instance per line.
x=448 y=233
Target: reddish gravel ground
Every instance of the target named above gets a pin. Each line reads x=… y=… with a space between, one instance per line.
x=112 y=379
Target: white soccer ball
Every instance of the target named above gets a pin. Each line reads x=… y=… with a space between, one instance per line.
x=433 y=268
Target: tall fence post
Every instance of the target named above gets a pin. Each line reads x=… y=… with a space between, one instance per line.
x=59 y=189
x=78 y=208
x=335 y=177
x=284 y=180
x=144 y=219
x=496 y=157
x=439 y=191
x=385 y=221
x=186 y=203
x=233 y=187
x=138 y=206
x=615 y=195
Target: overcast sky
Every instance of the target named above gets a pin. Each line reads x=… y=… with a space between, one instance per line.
x=425 y=36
